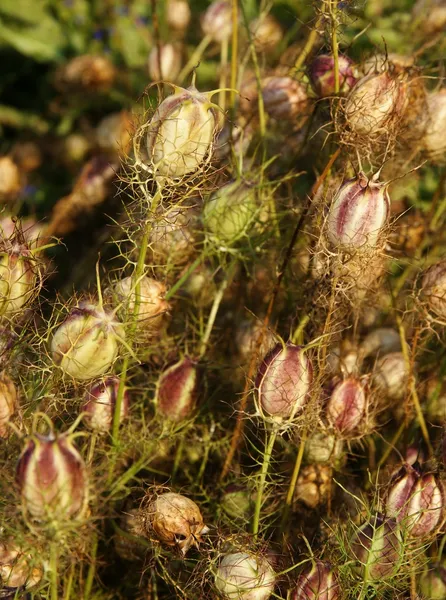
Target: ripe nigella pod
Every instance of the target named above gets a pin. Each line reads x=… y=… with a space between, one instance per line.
x=152 y=306
x=8 y=403
x=217 y=21
x=266 y=33
x=181 y=133
x=18 y=569
x=433 y=141
x=237 y=502
x=377 y=547
x=432 y=583
x=346 y=407
x=433 y=288
x=318 y=582
x=391 y=375
x=99 y=404
x=323 y=447
x=229 y=212
x=168 y=56
x=322 y=75
x=175 y=520
x=313 y=485
x=177 y=390
x=358 y=213
x=244 y=576
x=178 y=14
x=86 y=344
x=283 y=381
x=10 y=181
x=52 y=478
x=19 y=277
x=284 y=98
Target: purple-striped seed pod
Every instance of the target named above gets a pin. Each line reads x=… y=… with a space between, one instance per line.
x=177 y=390
x=283 y=381
x=284 y=98
x=322 y=75
x=318 y=582
x=19 y=570
x=346 y=407
x=8 y=403
x=433 y=288
x=217 y=21
x=169 y=57
x=358 y=213
x=244 y=576
x=52 y=478
x=99 y=404
x=377 y=547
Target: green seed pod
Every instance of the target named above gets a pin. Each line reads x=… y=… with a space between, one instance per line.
x=19 y=278
x=243 y=576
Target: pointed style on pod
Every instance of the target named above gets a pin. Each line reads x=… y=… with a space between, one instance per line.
x=152 y=306
x=318 y=582
x=217 y=21
x=52 y=478
x=99 y=404
x=346 y=407
x=18 y=570
x=322 y=75
x=283 y=381
x=86 y=344
x=8 y=403
x=181 y=133
x=174 y=520
x=169 y=57
x=244 y=576
x=358 y=213
x=433 y=288
x=19 y=277
x=284 y=98
x=177 y=390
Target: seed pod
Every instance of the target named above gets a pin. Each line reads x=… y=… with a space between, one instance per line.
x=19 y=277
x=27 y=227
x=322 y=75
x=237 y=502
x=432 y=583
x=52 y=478
x=318 y=582
x=433 y=288
x=313 y=485
x=86 y=344
x=177 y=390
x=86 y=74
x=181 y=133
x=391 y=375
x=113 y=133
x=170 y=60
x=229 y=212
x=243 y=576
x=174 y=520
x=358 y=213
x=152 y=307
x=173 y=236
x=377 y=546
x=283 y=381
x=346 y=407
x=376 y=103
x=323 y=447
x=178 y=14
x=100 y=402
x=266 y=33
x=10 y=180
x=433 y=141
x=217 y=21
x=380 y=341
x=8 y=403
x=18 y=569
x=284 y=98
x=129 y=540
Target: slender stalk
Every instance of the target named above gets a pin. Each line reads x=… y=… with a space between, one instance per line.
x=173 y=290
x=214 y=310
x=334 y=43
x=194 y=59
x=54 y=560
x=293 y=481
x=223 y=74
x=91 y=447
x=263 y=473
x=234 y=52
x=91 y=568
x=308 y=45
x=69 y=584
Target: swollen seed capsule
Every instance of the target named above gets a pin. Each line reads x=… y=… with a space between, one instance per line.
x=174 y=520
x=322 y=75
x=433 y=288
x=10 y=182
x=217 y=20
x=266 y=33
x=181 y=133
x=86 y=344
x=346 y=406
x=19 y=277
x=283 y=381
x=318 y=582
x=243 y=576
x=152 y=307
x=284 y=98
x=99 y=404
x=18 y=570
x=169 y=57
x=52 y=478
x=358 y=213
x=432 y=583
x=176 y=390
x=434 y=141
x=391 y=375
x=178 y=14
x=8 y=403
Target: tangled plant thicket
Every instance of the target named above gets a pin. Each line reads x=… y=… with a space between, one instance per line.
x=222 y=352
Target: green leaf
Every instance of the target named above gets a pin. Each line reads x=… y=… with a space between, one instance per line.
x=43 y=41
x=29 y=11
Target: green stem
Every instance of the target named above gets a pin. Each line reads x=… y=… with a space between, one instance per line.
x=214 y=310
x=194 y=59
x=173 y=290
x=91 y=569
x=293 y=482
x=263 y=473
x=334 y=44
x=54 y=559
x=69 y=584
x=223 y=67
x=234 y=53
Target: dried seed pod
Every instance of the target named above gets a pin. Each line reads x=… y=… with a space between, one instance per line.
x=430 y=16
x=322 y=75
x=377 y=546
x=284 y=98
x=432 y=583
x=113 y=133
x=266 y=33
x=217 y=21
x=358 y=213
x=318 y=582
x=19 y=277
x=10 y=180
x=169 y=57
x=229 y=212
x=178 y=14
x=346 y=406
x=391 y=375
x=181 y=133
x=174 y=520
x=86 y=344
x=313 y=485
x=244 y=576
x=52 y=478
x=433 y=140
x=152 y=307
x=283 y=381
x=19 y=571
x=8 y=403
x=323 y=447
x=433 y=287
x=86 y=73
x=380 y=341
x=173 y=236
x=100 y=402
x=177 y=390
